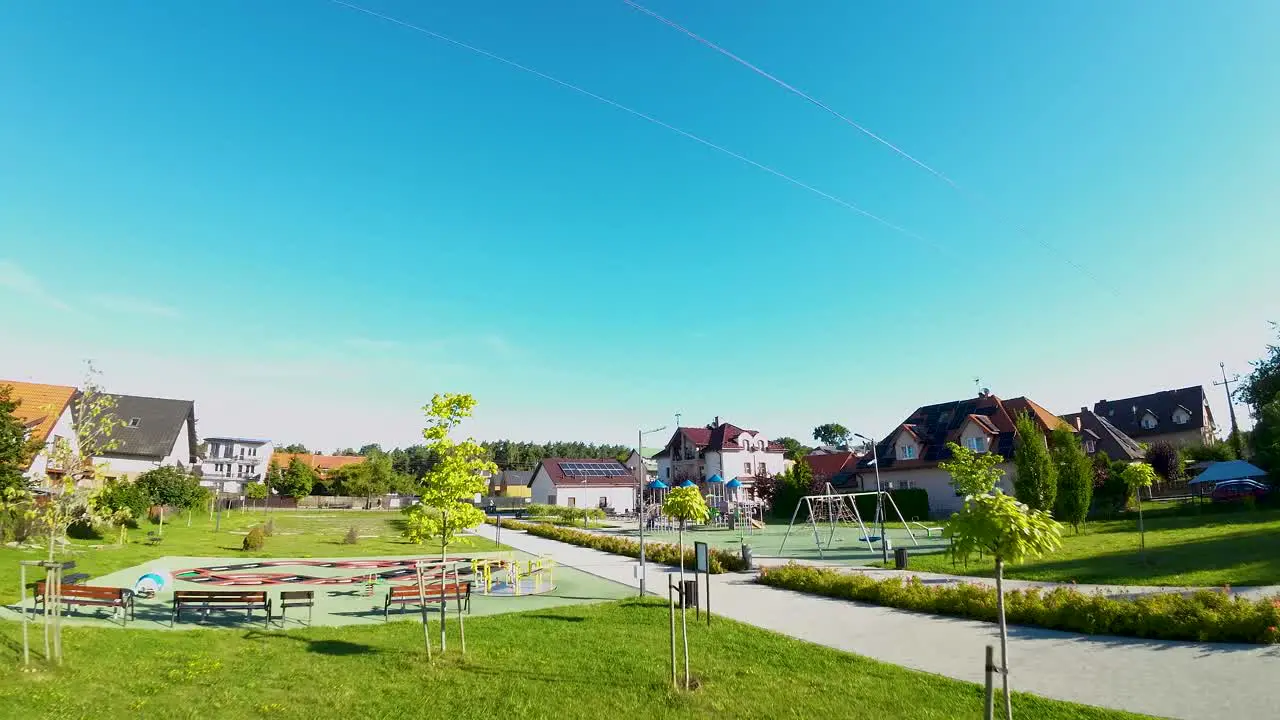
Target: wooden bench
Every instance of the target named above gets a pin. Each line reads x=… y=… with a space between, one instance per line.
x=206 y=600
x=154 y=539
x=120 y=600
x=297 y=598
x=431 y=594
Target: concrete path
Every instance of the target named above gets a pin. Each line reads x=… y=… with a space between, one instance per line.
x=1169 y=679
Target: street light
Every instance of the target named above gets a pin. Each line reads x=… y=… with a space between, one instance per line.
x=640 y=474
x=875 y=460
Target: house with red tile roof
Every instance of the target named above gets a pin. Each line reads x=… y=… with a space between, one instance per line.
x=585 y=483
x=908 y=456
x=838 y=468
x=322 y=464
x=45 y=411
x=720 y=448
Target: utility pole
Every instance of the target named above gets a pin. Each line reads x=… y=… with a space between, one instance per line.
x=1231 y=408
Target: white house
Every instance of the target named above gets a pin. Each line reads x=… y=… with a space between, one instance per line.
x=724 y=449
x=153 y=432
x=232 y=461
x=45 y=412
x=584 y=483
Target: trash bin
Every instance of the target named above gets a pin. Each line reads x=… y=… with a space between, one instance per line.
x=746 y=555
x=689 y=595
x=900 y=558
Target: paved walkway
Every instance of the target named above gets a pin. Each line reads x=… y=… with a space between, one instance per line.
x=1170 y=679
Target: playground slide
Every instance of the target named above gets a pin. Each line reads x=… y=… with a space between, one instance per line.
x=757 y=524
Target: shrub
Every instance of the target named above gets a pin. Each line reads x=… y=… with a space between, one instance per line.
x=352 y=537
x=913 y=502
x=1203 y=616
x=255 y=540
x=662 y=553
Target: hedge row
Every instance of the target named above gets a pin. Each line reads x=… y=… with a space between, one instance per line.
x=913 y=502
x=662 y=553
x=1204 y=616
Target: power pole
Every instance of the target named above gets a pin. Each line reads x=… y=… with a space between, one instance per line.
x=1231 y=408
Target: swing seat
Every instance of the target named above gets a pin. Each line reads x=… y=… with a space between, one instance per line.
x=870 y=539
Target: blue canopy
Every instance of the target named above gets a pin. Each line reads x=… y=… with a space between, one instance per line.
x=715 y=479
x=658 y=485
x=733 y=483
x=1229 y=470
x=687 y=483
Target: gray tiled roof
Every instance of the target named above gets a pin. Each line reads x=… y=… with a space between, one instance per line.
x=1111 y=440
x=159 y=420
x=1127 y=413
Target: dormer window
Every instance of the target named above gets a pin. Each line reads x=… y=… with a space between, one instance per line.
x=135 y=422
x=1090 y=447
x=976 y=444
x=1181 y=416
x=1149 y=421
x=907 y=452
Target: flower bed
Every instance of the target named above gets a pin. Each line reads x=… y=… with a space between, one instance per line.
x=662 y=553
x=1205 y=616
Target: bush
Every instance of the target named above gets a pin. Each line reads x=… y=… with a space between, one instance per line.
x=1204 y=616
x=913 y=502
x=255 y=540
x=661 y=553
x=352 y=537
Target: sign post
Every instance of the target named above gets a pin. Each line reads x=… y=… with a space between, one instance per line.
x=702 y=564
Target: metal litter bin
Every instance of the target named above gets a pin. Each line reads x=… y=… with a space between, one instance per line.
x=746 y=555
x=689 y=594
x=900 y=558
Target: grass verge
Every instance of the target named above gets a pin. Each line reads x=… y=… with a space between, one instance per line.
x=663 y=553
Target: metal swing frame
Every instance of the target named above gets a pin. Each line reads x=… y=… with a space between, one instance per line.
x=833 y=501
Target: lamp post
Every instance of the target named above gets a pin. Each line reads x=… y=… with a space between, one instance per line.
x=875 y=460
x=640 y=473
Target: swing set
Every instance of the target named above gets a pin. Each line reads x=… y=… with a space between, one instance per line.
x=841 y=510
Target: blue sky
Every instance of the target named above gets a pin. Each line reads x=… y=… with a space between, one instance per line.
x=308 y=219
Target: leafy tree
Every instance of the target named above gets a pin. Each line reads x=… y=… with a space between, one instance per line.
x=804 y=481
x=1137 y=476
x=296 y=480
x=1075 y=477
x=685 y=504
x=371 y=477
x=766 y=488
x=1009 y=531
x=120 y=503
x=1163 y=457
x=459 y=474
x=256 y=491
x=972 y=473
x=795 y=450
x=1036 y=482
x=170 y=486
x=370 y=450
x=833 y=434
x=1265 y=439
x=344 y=451
x=295 y=448
x=16 y=448
x=1217 y=452
x=1263 y=384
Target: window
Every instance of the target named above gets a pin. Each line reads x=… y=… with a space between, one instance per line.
x=1148 y=421
x=1180 y=417
x=1090 y=446
x=747 y=468
x=904 y=484
x=604 y=502
x=551 y=499
x=573 y=501
x=242 y=451
x=135 y=422
x=907 y=452
x=976 y=444
x=253 y=452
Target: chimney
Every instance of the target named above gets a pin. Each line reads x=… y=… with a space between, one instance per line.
x=1080 y=420
x=716 y=423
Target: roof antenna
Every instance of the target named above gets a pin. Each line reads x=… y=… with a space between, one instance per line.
x=678 y=420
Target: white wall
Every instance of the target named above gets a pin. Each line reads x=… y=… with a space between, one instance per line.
x=621 y=499
x=61 y=429
x=256 y=464
x=937 y=482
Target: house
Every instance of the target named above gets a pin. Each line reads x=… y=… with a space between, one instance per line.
x=724 y=449
x=152 y=432
x=322 y=464
x=584 y=483
x=1181 y=417
x=1099 y=435
x=646 y=458
x=839 y=467
x=230 y=462
x=510 y=483
x=45 y=412
x=908 y=457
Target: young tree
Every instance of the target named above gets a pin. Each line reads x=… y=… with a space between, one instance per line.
x=972 y=473
x=16 y=447
x=170 y=486
x=1036 y=483
x=1075 y=477
x=1009 y=531
x=1137 y=476
x=256 y=491
x=296 y=480
x=1164 y=458
x=833 y=434
x=369 y=478
x=458 y=475
x=805 y=482
x=685 y=504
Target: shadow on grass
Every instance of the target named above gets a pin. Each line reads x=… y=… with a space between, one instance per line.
x=557 y=618
x=337 y=648
x=504 y=673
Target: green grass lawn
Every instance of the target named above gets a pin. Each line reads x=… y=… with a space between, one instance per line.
x=298 y=534
x=593 y=662
x=1230 y=548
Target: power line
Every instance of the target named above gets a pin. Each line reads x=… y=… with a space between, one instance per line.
x=643 y=116
x=865 y=131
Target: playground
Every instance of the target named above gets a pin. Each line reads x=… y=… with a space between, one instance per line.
x=328 y=592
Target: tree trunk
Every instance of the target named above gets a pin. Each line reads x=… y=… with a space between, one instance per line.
x=1004 y=639
x=444 y=544
x=684 y=623
x=1142 y=536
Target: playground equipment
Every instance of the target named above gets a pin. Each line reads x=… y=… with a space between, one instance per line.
x=841 y=509
x=654 y=519
x=152 y=582
x=506 y=575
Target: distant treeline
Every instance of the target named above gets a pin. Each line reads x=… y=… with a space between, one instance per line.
x=415 y=460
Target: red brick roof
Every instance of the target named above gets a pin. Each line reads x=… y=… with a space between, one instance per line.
x=320 y=463
x=830 y=464
x=39 y=406
x=551 y=466
x=716 y=438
